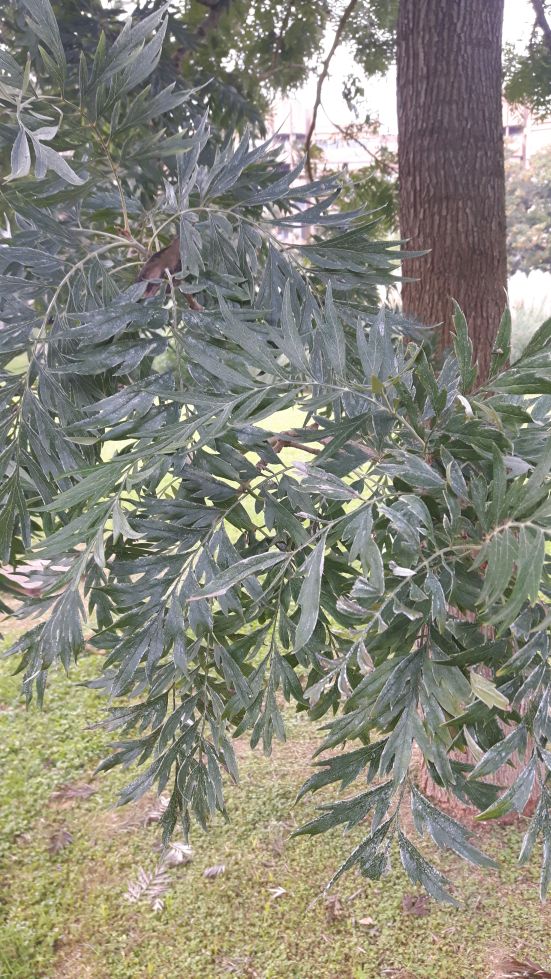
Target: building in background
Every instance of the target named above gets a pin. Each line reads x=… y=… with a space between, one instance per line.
x=524 y=135
x=336 y=150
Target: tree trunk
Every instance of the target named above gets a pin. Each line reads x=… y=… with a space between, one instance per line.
x=451 y=171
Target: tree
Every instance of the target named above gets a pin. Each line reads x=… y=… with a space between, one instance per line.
x=239 y=54
x=529 y=213
x=528 y=73
x=277 y=45
x=452 y=184
x=277 y=42
x=392 y=581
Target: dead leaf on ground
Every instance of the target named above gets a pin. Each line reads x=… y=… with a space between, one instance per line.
x=72 y=790
x=157 y=811
x=211 y=873
x=239 y=965
x=59 y=840
x=149 y=887
x=177 y=854
x=511 y=968
x=277 y=892
x=416 y=904
x=367 y=922
x=334 y=908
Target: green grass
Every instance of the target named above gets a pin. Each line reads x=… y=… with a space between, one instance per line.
x=64 y=915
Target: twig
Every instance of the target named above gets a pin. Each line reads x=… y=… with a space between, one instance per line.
x=278 y=46
x=348 y=133
x=287 y=440
x=321 y=79
x=290 y=439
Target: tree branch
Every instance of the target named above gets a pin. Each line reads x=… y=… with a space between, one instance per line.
x=278 y=45
x=542 y=22
x=215 y=10
x=321 y=79
x=348 y=132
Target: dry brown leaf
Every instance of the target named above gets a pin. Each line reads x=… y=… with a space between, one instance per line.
x=72 y=790
x=511 y=968
x=59 y=840
x=333 y=907
x=367 y=922
x=177 y=854
x=239 y=965
x=416 y=904
x=277 y=892
x=211 y=873
x=150 y=887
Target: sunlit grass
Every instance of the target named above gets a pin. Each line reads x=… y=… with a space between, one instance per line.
x=64 y=915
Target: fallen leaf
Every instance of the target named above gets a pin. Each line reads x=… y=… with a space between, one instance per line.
x=59 y=840
x=22 y=839
x=177 y=854
x=277 y=892
x=510 y=968
x=333 y=907
x=416 y=904
x=158 y=810
x=149 y=886
x=367 y=922
x=72 y=790
x=212 y=872
x=241 y=965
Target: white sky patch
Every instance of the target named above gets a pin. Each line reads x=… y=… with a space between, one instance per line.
x=380 y=97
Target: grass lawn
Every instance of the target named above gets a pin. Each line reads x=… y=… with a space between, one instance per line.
x=64 y=914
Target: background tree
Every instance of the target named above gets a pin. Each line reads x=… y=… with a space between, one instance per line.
x=528 y=73
x=529 y=213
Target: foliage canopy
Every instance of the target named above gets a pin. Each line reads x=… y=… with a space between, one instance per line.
x=529 y=213
x=392 y=581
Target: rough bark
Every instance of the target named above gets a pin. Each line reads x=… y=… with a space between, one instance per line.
x=452 y=184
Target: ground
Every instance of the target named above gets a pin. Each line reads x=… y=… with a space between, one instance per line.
x=67 y=858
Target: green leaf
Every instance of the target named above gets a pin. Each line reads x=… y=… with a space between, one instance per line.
x=348 y=811
x=501 y=351
x=48 y=159
x=487 y=692
x=41 y=20
x=370 y=855
x=499 y=753
x=463 y=349
x=309 y=595
x=446 y=832
x=420 y=871
x=516 y=798
x=220 y=584
x=20 y=156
